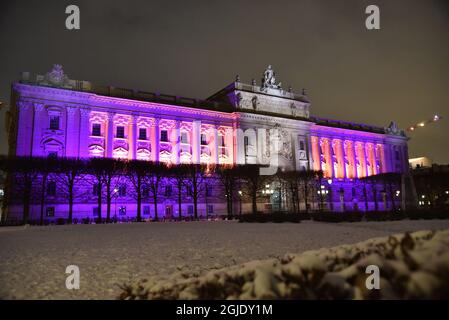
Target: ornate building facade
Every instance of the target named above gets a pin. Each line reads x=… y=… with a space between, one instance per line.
x=53 y=115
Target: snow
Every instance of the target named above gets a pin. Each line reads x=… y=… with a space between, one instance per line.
x=33 y=259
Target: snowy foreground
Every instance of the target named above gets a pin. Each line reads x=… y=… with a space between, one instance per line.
x=33 y=260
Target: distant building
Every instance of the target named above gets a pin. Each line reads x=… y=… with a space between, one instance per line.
x=53 y=115
x=419 y=162
x=432 y=185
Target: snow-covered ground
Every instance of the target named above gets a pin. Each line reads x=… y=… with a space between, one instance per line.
x=33 y=259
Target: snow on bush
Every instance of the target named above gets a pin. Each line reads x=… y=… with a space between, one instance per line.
x=412 y=266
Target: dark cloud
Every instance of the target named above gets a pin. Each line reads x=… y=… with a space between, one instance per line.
x=194 y=48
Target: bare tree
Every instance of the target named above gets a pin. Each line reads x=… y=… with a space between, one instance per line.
x=194 y=182
x=228 y=177
x=156 y=172
x=67 y=173
x=137 y=171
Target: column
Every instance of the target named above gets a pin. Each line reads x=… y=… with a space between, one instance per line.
x=24 y=129
x=84 y=133
x=239 y=145
x=214 y=145
x=196 y=141
x=229 y=143
x=356 y=159
x=155 y=140
x=72 y=132
x=316 y=155
x=110 y=135
x=37 y=129
x=175 y=142
x=366 y=153
x=132 y=138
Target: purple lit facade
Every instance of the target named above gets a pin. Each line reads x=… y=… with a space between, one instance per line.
x=55 y=116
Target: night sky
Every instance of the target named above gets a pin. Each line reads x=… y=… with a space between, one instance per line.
x=194 y=48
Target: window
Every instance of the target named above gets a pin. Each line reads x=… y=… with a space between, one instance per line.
x=52 y=155
x=96 y=189
x=301 y=145
x=184 y=138
x=208 y=191
x=203 y=139
x=142 y=134
x=95 y=212
x=120 y=132
x=164 y=136
x=50 y=211
x=51 y=188
x=122 y=210
x=246 y=144
x=221 y=141
x=190 y=209
x=54 y=122
x=146 y=210
x=145 y=191
x=168 y=191
x=96 y=129
x=210 y=208
x=122 y=190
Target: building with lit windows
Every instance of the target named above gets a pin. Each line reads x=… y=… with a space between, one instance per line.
x=53 y=115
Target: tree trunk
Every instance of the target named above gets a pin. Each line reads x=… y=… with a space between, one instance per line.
x=365 y=195
x=254 y=201
x=70 y=219
x=306 y=202
x=195 y=206
x=155 y=206
x=99 y=203
x=44 y=181
x=180 y=199
x=26 y=200
x=108 y=202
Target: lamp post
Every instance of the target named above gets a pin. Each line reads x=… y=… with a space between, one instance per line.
x=240 y=202
x=331 y=203
x=115 y=202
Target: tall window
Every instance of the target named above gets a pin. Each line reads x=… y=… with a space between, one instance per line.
x=221 y=141
x=145 y=191
x=50 y=211
x=184 y=138
x=142 y=133
x=51 y=188
x=120 y=132
x=210 y=209
x=122 y=210
x=122 y=190
x=168 y=190
x=246 y=143
x=52 y=155
x=164 y=136
x=203 y=139
x=54 y=122
x=96 y=189
x=208 y=191
x=96 y=129
x=301 y=145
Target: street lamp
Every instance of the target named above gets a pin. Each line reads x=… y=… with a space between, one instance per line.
x=240 y=202
x=331 y=203
x=115 y=204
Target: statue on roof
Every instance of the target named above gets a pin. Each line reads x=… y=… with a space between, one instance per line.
x=56 y=76
x=269 y=79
